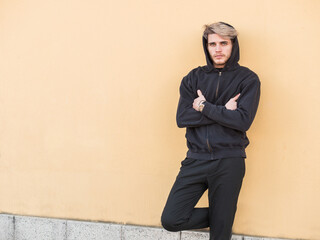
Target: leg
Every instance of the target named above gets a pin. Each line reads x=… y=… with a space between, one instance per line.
x=179 y=212
x=224 y=189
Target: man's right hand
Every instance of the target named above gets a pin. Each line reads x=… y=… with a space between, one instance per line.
x=232 y=103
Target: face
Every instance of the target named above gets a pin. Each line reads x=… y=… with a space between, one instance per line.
x=219 y=49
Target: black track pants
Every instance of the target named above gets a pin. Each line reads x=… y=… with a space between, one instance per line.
x=223 y=179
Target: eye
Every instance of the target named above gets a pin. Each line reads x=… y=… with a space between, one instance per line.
x=224 y=43
x=212 y=44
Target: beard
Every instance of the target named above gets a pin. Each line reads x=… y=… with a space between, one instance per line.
x=220 y=62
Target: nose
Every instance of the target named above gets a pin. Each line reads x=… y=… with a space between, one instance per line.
x=218 y=48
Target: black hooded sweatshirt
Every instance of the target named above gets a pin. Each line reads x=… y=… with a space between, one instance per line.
x=217 y=132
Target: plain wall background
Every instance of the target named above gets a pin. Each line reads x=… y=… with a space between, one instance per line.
x=88 y=97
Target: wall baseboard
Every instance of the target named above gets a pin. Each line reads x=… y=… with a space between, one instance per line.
x=15 y=227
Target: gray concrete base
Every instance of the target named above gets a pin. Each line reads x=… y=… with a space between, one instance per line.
x=34 y=228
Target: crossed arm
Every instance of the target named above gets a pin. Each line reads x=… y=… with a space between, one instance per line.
x=230 y=105
x=238 y=113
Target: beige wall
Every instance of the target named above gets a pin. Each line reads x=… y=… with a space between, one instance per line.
x=88 y=94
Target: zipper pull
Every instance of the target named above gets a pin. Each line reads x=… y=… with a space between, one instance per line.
x=220 y=74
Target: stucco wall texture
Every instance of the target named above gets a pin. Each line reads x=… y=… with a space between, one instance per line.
x=88 y=96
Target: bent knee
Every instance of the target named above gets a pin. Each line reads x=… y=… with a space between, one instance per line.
x=169 y=223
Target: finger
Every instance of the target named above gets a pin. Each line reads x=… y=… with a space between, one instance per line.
x=236 y=97
x=199 y=93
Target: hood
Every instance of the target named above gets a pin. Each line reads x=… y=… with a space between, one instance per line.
x=231 y=63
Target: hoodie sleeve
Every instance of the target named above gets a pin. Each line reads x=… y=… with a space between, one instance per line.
x=241 y=118
x=186 y=115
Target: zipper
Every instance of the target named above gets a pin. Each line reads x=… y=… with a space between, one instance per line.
x=216 y=96
x=210 y=149
x=208 y=144
x=217 y=90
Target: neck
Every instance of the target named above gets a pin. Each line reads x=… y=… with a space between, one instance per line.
x=219 y=65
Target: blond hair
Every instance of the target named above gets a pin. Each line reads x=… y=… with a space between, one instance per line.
x=223 y=29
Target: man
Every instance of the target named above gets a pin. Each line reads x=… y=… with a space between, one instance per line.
x=217 y=105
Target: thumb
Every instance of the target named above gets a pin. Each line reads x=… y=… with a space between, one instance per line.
x=199 y=93
x=236 y=97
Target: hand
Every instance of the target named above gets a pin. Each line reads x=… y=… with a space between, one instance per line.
x=198 y=100
x=232 y=103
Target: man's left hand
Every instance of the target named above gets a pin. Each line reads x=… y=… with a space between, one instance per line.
x=198 y=100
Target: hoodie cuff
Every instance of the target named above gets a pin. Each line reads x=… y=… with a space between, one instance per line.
x=209 y=110
x=206 y=109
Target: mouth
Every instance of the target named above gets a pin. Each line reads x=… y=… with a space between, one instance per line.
x=218 y=56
